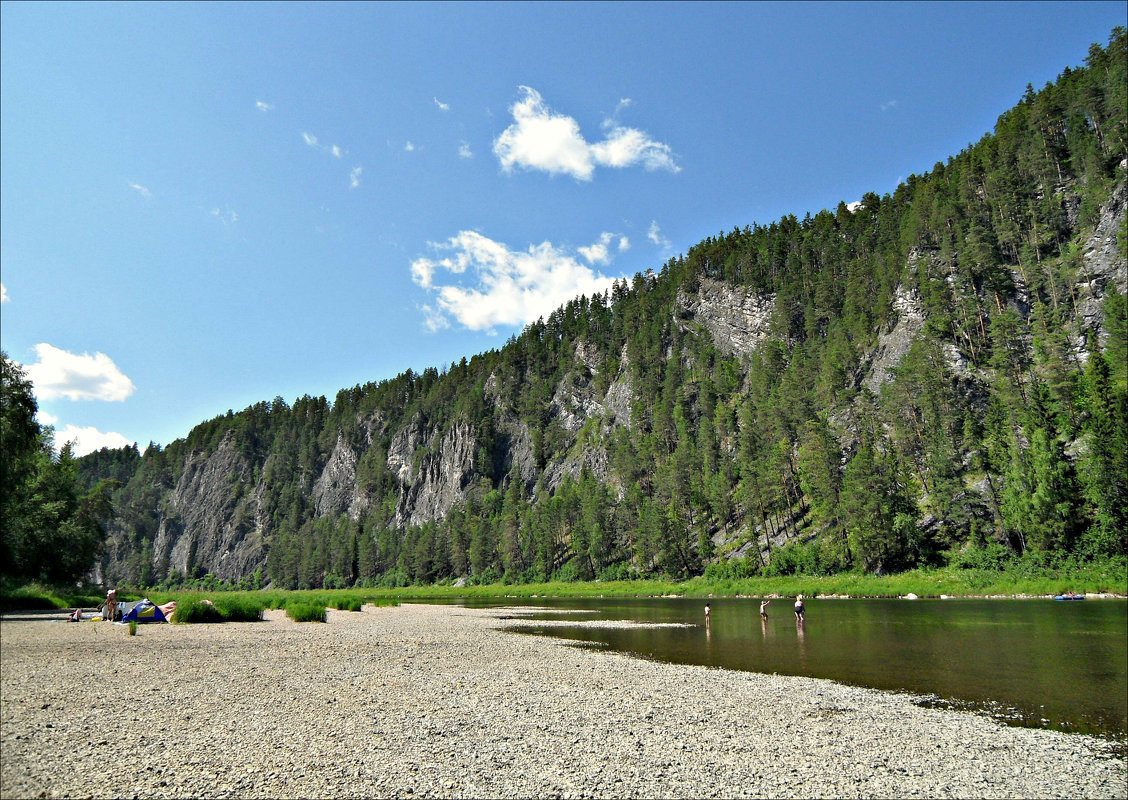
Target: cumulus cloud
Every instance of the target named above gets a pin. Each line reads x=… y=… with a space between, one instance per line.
x=354 y=177
x=59 y=373
x=493 y=285
x=544 y=140
x=141 y=190
x=464 y=150
x=654 y=234
x=409 y=147
x=442 y=106
x=4 y=293
x=600 y=253
x=263 y=106
x=88 y=440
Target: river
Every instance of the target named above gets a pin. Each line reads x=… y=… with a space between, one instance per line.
x=1036 y=662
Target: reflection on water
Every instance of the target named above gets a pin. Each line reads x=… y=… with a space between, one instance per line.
x=1030 y=662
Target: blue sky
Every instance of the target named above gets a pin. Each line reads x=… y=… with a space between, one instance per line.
x=209 y=205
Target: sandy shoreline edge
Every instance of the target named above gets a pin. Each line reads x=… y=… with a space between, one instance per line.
x=438 y=700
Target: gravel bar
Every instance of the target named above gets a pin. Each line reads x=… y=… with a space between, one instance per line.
x=441 y=701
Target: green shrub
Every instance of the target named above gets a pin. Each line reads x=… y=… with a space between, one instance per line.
x=342 y=603
x=990 y=556
x=301 y=611
x=195 y=610
x=733 y=569
x=795 y=558
x=239 y=608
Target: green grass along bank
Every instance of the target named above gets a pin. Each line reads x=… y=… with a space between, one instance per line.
x=1105 y=577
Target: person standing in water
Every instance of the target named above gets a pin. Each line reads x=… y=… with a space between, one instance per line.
x=707 y=613
x=799 y=608
x=764 y=609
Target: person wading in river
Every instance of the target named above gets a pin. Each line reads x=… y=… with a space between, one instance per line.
x=799 y=609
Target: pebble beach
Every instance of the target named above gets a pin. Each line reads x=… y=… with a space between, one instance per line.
x=444 y=701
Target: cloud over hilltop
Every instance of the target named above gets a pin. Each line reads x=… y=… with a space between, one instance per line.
x=491 y=285
x=540 y=139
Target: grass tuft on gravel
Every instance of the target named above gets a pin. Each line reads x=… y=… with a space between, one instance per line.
x=301 y=611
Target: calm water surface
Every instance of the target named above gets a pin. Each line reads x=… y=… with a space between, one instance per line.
x=1037 y=663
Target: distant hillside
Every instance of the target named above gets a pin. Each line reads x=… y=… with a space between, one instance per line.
x=935 y=372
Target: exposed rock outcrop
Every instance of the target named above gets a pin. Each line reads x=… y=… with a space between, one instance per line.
x=335 y=491
x=737 y=318
x=1102 y=266
x=895 y=342
x=212 y=524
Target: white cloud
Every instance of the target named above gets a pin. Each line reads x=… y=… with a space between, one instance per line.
x=624 y=244
x=655 y=235
x=598 y=253
x=888 y=104
x=627 y=146
x=433 y=319
x=141 y=190
x=336 y=151
x=464 y=150
x=409 y=147
x=43 y=418
x=442 y=106
x=541 y=139
x=310 y=139
x=354 y=177
x=263 y=106
x=4 y=294
x=77 y=377
x=88 y=440
x=852 y=207
x=506 y=287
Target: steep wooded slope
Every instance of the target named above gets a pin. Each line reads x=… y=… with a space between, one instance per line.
x=884 y=385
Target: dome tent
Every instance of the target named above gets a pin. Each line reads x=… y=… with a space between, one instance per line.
x=144 y=611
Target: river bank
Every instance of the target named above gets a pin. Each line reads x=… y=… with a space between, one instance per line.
x=440 y=701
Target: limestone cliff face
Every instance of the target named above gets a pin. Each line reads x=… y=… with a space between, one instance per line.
x=895 y=341
x=212 y=523
x=737 y=319
x=434 y=470
x=1101 y=266
x=335 y=491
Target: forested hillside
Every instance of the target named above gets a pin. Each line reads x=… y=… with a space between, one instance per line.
x=933 y=374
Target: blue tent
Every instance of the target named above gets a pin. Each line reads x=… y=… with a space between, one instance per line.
x=144 y=611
